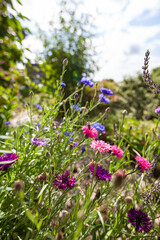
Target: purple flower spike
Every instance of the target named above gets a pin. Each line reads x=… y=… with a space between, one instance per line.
x=38 y=142
x=139 y=220
x=100 y=173
x=103 y=99
x=7 y=158
x=87 y=82
x=157 y=110
x=106 y=91
x=64 y=181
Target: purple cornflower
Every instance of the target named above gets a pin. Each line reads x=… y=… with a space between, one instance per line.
x=106 y=91
x=157 y=110
x=64 y=181
x=87 y=82
x=76 y=144
x=100 y=173
x=139 y=220
x=103 y=99
x=98 y=126
x=38 y=142
x=62 y=84
x=10 y=158
x=39 y=106
x=76 y=108
x=7 y=122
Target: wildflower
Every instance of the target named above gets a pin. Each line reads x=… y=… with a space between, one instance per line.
x=70 y=140
x=90 y=131
x=144 y=164
x=76 y=144
x=39 y=106
x=76 y=108
x=139 y=220
x=103 y=99
x=106 y=91
x=38 y=142
x=67 y=133
x=10 y=158
x=157 y=110
x=83 y=150
x=64 y=181
x=18 y=185
x=7 y=122
x=100 y=173
x=100 y=146
x=87 y=82
x=62 y=84
x=117 y=151
x=99 y=127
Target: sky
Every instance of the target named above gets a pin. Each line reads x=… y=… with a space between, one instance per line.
x=124 y=30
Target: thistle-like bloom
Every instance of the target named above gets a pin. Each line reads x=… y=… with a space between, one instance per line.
x=38 y=142
x=90 y=131
x=103 y=99
x=106 y=91
x=144 y=164
x=7 y=122
x=139 y=220
x=10 y=158
x=87 y=82
x=117 y=151
x=100 y=173
x=99 y=127
x=100 y=146
x=39 y=106
x=62 y=84
x=157 y=110
x=64 y=181
x=76 y=108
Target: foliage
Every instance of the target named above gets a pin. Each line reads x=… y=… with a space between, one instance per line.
x=71 y=39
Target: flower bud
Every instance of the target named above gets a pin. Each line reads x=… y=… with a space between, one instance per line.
x=129 y=200
x=48 y=155
x=59 y=236
x=124 y=112
x=65 y=62
x=42 y=177
x=31 y=93
x=18 y=185
x=118 y=178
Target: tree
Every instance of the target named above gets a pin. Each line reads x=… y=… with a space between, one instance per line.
x=71 y=40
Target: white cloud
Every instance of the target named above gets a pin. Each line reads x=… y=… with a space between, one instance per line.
x=116 y=36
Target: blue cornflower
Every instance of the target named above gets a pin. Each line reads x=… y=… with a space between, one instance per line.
x=106 y=91
x=87 y=82
x=83 y=150
x=103 y=99
x=67 y=133
x=62 y=84
x=70 y=140
x=75 y=107
x=99 y=127
x=39 y=106
x=7 y=123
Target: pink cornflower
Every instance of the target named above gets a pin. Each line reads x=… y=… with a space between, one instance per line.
x=143 y=163
x=117 y=151
x=100 y=146
x=90 y=131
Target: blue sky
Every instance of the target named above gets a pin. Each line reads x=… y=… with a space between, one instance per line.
x=125 y=29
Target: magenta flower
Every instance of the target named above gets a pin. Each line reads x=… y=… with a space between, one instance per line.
x=10 y=158
x=64 y=181
x=157 y=110
x=117 y=151
x=139 y=220
x=38 y=142
x=100 y=146
x=90 y=131
x=144 y=164
x=100 y=173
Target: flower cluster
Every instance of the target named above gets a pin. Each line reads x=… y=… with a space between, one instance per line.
x=38 y=142
x=64 y=181
x=87 y=82
x=139 y=220
x=146 y=74
x=90 y=131
x=100 y=146
x=144 y=164
x=10 y=158
x=100 y=173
